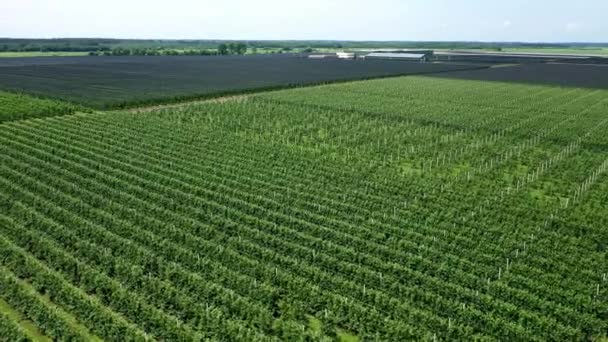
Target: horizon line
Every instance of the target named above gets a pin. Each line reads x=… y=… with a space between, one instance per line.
x=321 y=40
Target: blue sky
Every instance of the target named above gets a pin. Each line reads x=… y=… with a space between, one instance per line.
x=471 y=20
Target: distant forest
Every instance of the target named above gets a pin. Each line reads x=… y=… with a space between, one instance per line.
x=118 y=46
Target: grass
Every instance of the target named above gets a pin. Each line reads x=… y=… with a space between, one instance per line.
x=573 y=51
x=26 y=325
x=316 y=326
x=42 y=54
x=72 y=320
x=345 y=336
x=600 y=51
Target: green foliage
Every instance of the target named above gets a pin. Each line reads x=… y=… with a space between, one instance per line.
x=19 y=107
x=222 y=49
x=44 y=54
x=398 y=209
x=101 y=44
x=10 y=331
x=119 y=51
x=37 y=310
x=232 y=48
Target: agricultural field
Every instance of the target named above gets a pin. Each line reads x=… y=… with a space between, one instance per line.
x=111 y=82
x=20 y=106
x=9 y=54
x=593 y=51
x=407 y=208
x=565 y=75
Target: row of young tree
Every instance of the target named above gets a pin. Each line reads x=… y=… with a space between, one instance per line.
x=321 y=258
x=152 y=52
x=253 y=248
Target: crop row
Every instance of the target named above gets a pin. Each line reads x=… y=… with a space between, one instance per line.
x=242 y=220
x=19 y=106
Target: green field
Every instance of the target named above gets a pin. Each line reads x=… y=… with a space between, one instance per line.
x=572 y=51
x=41 y=54
x=592 y=51
x=15 y=106
x=406 y=208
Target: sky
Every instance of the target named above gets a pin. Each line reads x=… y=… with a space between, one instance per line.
x=405 y=20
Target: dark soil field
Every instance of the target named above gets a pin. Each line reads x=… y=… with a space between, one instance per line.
x=565 y=75
x=111 y=82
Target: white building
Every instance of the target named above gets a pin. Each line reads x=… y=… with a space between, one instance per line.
x=413 y=57
x=345 y=55
x=339 y=55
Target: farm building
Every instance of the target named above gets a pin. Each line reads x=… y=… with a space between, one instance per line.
x=320 y=56
x=345 y=55
x=340 y=55
x=412 y=57
x=428 y=53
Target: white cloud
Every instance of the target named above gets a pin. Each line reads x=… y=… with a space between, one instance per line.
x=507 y=24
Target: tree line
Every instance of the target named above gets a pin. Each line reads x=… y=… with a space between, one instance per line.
x=222 y=49
x=103 y=44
